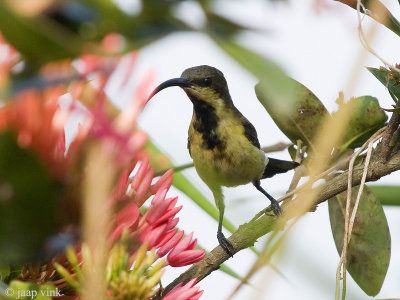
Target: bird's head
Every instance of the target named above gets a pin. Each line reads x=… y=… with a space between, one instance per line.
x=202 y=83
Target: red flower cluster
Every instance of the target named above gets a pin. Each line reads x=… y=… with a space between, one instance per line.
x=184 y=292
x=157 y=225
x=38 y=123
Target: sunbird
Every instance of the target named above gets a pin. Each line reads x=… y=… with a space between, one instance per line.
x=222 y=142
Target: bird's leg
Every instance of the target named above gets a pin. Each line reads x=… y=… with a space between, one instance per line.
x=222 y=240
x=275 y=205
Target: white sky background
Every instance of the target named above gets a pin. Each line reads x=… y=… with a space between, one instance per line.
x=319 y=50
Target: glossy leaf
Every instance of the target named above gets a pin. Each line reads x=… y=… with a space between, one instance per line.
x=379 y=12
x=386 y=194
x=368 y=253
x=390 y=79
x=27 y=203
x=302 y=121
x=367 y=116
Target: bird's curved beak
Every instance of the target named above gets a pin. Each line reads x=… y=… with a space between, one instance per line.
x=181 y=82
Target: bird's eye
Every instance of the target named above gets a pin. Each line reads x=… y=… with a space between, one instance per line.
x=207 y=81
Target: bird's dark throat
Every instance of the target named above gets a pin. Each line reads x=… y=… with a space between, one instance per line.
x=206 y=123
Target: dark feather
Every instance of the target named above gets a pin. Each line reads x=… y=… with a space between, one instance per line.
x=277 y=166
x=206 y=122
x=250 y=132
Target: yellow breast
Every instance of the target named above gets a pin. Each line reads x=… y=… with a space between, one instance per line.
x=234 y=162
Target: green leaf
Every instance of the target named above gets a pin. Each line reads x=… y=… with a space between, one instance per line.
x=276 y=86
x=8 y=273
x=4 y=272
x=221 y=26
x=368 y=253
x=389 y=78
x=292 y=151
x=386 y=194
x=227 y=270
x=28 y=290
x=306 y=115
x=381 y=14
x=107 y=8
x=378 y=12
x=27 y=203
x=39 y=40
x=367 y=116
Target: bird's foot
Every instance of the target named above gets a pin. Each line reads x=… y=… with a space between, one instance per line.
x=276 y=208
x=225 y=244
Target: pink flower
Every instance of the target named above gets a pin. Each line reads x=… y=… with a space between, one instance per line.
x=170 y=240
x=162 y=210
x=124 y=144
x=141 y=182
x=184 y=292
x=164 y=182
x=172 y=223
x=153 y=235
x=122 y=185
x=128 y=217
x=184 y=253
x=113 y=43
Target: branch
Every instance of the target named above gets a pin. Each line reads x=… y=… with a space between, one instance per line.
x=275 y=148
x=248 y=233
x=386 y=147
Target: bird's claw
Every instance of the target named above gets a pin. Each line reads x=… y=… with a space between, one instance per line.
x=276 y=208
x=225 y=244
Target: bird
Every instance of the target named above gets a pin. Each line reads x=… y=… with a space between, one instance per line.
x=222 y=143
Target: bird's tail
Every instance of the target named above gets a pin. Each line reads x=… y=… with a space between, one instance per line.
x=277 y=166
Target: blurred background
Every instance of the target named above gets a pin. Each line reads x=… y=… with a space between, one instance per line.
x=316 y=42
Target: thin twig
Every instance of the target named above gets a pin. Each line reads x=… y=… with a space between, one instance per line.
x=277 y=147
x=337 y=166
x=385 y=147
x=363 y=38
x=300 y=171
x=395 y=119
x=346 y=239
x=364 y=176
x=176 y=169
